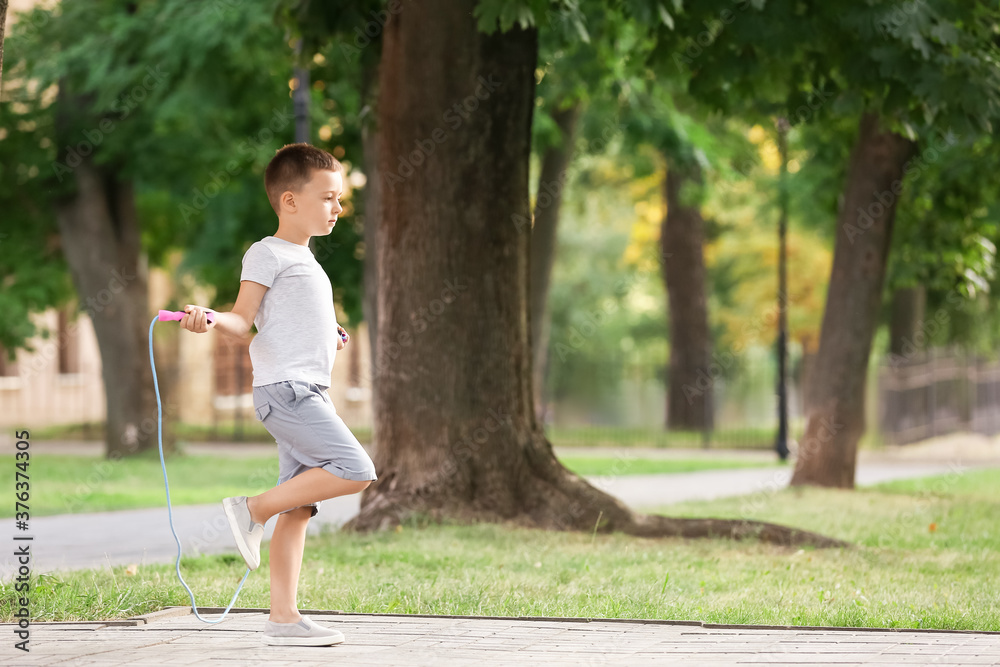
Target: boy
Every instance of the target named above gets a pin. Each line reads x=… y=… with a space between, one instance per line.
x=285 y=292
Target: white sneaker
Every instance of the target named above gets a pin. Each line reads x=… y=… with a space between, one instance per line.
x=304 y=633
x=246 y=533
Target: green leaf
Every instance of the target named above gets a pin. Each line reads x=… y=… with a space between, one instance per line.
x=665 y=16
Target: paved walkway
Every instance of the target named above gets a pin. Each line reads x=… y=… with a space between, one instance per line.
x=406 y=640
x=653 y=491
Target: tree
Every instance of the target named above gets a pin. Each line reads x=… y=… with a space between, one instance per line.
x=944 y=249
x=31 y=259
x=926 y=70
x=684 y=145
x=552 y=179
x=583 y=48
x=456 y=433
x=682 y=240
x=836 y=419
x=908 y=308
x=909 y=88
x=158 y=138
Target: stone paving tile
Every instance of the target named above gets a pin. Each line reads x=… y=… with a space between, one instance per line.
x=416 y=641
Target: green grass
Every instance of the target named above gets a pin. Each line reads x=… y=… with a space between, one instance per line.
x=73 y=484
x=251 y=430
x=606 y=465
x=597 y=436
x=70 y=484
x=902 y=573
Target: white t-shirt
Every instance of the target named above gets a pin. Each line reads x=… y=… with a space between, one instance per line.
x=296 y=323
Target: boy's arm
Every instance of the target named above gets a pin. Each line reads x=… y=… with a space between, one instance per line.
x=235 y=323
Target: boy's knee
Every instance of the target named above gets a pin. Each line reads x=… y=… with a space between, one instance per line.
x=303 y=513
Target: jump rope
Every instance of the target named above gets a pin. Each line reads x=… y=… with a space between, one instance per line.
x=170 y=316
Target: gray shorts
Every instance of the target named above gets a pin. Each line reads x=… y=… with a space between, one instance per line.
x=309 y=432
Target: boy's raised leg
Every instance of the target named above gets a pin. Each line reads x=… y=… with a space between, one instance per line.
x=310 y=487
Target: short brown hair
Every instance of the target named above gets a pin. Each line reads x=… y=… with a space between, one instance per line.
x=292 y=167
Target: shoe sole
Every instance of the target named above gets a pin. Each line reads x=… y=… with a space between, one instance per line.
x=302 y=641
x=241 y=544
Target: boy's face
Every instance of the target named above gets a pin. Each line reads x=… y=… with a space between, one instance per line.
x=317 y=203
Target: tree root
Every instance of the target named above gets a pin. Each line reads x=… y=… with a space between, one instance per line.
x=543 y=494
x=653 y=525
x=580 y=507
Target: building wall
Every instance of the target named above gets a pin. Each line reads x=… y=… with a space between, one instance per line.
x=39 y=393
x=213 y=373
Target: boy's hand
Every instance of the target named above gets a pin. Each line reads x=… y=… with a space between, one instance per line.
x=196 y=320
x=343 y=338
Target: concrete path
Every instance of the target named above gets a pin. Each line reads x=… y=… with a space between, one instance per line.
x=405 y=640
x=652 y=491
x=77 y=541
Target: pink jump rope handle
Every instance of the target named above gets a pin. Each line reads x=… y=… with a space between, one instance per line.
x=168 y=315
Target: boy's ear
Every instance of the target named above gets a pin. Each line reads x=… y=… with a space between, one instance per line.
x=288 y=200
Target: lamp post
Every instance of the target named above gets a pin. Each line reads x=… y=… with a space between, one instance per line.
x=300 y=104
x=781 y=446
x=300 y=96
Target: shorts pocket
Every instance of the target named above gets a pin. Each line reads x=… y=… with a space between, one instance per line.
x=262 y=411
x=299 y=391
x=285 y=393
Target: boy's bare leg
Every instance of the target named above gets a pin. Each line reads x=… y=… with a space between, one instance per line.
x=287 y=545
x=310 y=487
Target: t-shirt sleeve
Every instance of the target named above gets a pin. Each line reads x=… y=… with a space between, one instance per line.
x=260 y=265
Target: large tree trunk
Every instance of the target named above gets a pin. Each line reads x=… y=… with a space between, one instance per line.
x=682 y=239
x=551 y=185
x=456 y=434
x=100 y=237
x=828 y=451
x=906 y=321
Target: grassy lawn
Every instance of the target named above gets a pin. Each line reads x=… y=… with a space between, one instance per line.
x=597 y=436
x=928 y=555
x=72 y=484
x=604 y=465
x=250 y=430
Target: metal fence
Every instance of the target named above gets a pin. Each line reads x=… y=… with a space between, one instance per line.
x=613 y=405
x=941 y=393
x=627 y=405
